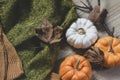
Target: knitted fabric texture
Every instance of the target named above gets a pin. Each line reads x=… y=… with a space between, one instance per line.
x=10 y=63
x=20 y=18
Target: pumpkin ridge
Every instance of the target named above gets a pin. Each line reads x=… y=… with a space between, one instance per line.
x=117 y=48
x=73 y=32
x=72 y=73
x=85 y=77
x=105 y=41
x=84 y=71
x=85 y=42
x=71 y=39
x=91 y=39
x=64 y=71
x=101 y=47
x=93 y=27
x=77 y=42
x=68 y=72
x=116 y=62
x=62 y=65
x=84 y=67
x=82 y=26
x=115 y=42
x=73 y=26
x=82 y=60
x=109 y=58
x=88 y=27
x=80 y=42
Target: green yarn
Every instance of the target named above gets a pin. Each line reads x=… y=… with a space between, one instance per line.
x=21 y=17
x=71 y=16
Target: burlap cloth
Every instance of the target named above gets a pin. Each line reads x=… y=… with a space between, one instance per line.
x=113 y=20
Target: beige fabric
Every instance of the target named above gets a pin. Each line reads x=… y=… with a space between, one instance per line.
x=113 y=20
x=10 y=64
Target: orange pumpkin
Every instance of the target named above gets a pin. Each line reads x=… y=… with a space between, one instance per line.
x=111 y=48
x=75 y=67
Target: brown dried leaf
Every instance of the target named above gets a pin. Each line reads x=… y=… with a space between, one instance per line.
x=102 y=16
x=44 y=33
x=96 y=16
x=57 y=33
x=95 y=56
x=48 y=34
x=55 y=76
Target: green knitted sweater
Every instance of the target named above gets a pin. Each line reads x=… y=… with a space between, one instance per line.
x=20 y=18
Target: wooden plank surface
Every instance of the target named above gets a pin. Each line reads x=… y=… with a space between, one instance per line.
x=113 y=20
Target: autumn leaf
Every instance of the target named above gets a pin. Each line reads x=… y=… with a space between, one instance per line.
x=49 y=34
x=95 y=55
x=55 y=76
x=57 y=33
x=97 y=16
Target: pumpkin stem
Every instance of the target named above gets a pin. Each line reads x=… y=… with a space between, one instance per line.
x=111 y=48
x=77 y=64
x=81 y=31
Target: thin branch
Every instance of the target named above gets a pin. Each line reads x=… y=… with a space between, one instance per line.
x=82 y=7
x=83 y=10
x=90 y=5
x=99 y=2
x=86 y=5
x=107 y=29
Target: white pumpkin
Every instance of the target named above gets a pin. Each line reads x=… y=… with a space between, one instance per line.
x=82 y=33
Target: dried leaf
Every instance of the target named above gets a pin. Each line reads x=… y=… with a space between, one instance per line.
x=57 y=33
x=102 y=16
x=55 y=76
x=95 y=56
x=96 y=16
x=48 y=34
x=44 y=33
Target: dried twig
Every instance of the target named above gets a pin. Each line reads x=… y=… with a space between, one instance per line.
x=83 y=9
x=108 y=30
x=87 y=8
x=86 y=5
x=99 y=2
x=90 y=5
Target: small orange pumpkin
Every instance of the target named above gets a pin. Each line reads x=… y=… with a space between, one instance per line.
x=75 y=67
x=111 y=48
